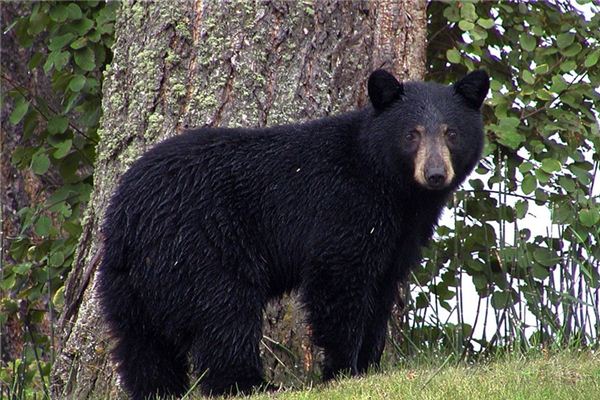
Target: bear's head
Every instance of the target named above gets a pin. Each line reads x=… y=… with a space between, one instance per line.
x=430 y=134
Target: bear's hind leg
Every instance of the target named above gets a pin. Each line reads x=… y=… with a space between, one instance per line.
x=150 y=367
x=226 y=357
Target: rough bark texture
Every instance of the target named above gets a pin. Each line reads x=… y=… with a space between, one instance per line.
x=195 y=63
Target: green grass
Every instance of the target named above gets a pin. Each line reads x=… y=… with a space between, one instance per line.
x=566 y=376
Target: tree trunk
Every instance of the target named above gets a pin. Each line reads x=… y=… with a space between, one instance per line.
x=198 y=63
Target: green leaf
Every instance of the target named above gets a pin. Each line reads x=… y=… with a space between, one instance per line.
x=545 y=257
x=500 y=300
x=38 y=20
x=558 y=84
x=60 y=194
x=35 y=60
x=542 y=176
x=589 y=217
x=510 y=139
x=49 y=63
x=23 y=268
x=59 y=13
x=521 y=208
x=480 y=281
x=466 y=25
x=24 y=37
x=59 y=297
x=71 y=101
x=478 y=33
x=543 y=94
x=68 y=167
x=539 y=272
x=486 y=23
x=528 y=42
x=29 y=124
x=564 y=39
x=62 y=149
x=56 y=139
x=421 y=301
x=79 y=43
x=94 y=36
x=56 y=59
x=63 y=208
x=592 y=59
x=510 y=122
x=568 y=66
x=526 y=166
x=507 y=132
x=58 y=124
x=85 y=58
x=567 y=183
x=549 y=165
x=467 y=11
x=561 y=214
x=8 y=282
x=452 y=13
x=77 y=83
x=56 y=259
x=475 y=264
x=42 y=226
x=83 y=26
x=582 y=174
x=58 y=42
x=572 y=50
x=40 y=162
x=21 y=107
x=541 y=196
x=61 y=60
x=542 y=69
x=529 y=184
x=21 y=156
x=453 y=56
x=60 y=81
x=74 y=12
x=442 y=292
x=528 y=77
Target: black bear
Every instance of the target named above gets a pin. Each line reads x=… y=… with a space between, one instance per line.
x=208 y=226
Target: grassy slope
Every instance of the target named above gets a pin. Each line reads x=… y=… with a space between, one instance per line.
x=565 y=376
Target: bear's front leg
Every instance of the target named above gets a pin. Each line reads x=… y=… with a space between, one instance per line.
x=338 y=306
x=376 y=327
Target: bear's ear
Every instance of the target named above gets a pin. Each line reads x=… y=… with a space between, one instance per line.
x=473 y=88
x=383 y=89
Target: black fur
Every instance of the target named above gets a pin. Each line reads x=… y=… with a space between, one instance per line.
x=208 y=226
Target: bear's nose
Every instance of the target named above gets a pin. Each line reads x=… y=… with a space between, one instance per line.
x=436 y=178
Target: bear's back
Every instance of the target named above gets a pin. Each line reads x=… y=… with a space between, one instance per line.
x=223 y=189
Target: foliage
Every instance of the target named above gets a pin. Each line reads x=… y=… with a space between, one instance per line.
x=541 y=162
x=72 y=42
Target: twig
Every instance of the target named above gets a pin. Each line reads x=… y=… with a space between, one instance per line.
x=437 y=371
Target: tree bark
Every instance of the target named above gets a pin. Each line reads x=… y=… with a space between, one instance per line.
x=203 y=63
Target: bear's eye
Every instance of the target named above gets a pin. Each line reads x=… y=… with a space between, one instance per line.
x=410 y=136
x=451 y=135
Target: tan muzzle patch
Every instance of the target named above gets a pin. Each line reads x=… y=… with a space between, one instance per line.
x=431 y=151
